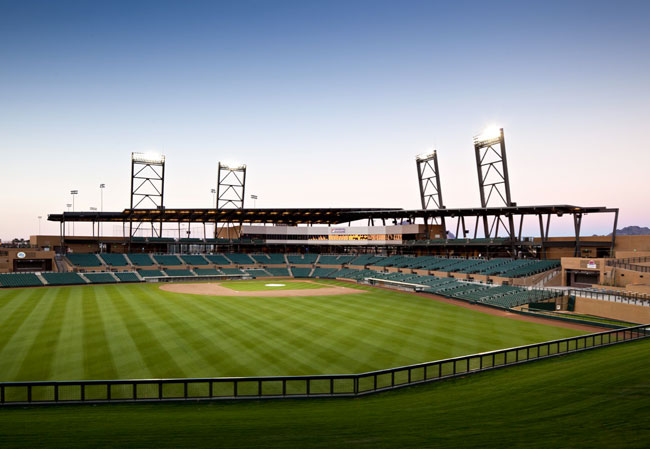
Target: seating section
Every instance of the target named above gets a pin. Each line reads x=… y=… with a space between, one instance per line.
x=19 y=280
x=63 y=278
x=167 y=259
x=232 y=271
x=100 y=278
x=257 y=272
x=304 y=259
x=194 y=259
x=114 y=260
x=218 y=259
x=365 y=259
x=140 y=260
x=127 y=277
x=322 y=272
x=178 y=272
x=84 y=260
x=241 y=259
x=278 y=272
x=300 y=272
x=269 y=259
x=207 y=272
x=151 y=273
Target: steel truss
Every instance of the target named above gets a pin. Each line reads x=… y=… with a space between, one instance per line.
x=429 y=182
x=231 y=191
x=147 y=189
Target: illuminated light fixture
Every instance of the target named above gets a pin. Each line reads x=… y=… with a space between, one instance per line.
x=230 y=165
x=489 y=136
x=148 y=158
x=426 y=156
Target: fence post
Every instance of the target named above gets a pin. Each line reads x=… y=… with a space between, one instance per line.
x=56 y=392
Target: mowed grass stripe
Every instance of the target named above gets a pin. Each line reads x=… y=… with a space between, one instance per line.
x=13 y=321
x=141 y=331
x=127 y=358
x=291 y=345
x=250 y=334
x=158 y=360
x=98 y=358
x=27 y=327
x=39 y=358
x=69 y=349
x=191 y=335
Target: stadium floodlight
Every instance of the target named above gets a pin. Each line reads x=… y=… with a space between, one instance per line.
x=491 y=135
x=426 y=156
x=148 y=157
x=233 y=166
x=94 y=209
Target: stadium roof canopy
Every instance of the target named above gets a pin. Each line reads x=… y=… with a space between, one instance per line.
x=295 y=216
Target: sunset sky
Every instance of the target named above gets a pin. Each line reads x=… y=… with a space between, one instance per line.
x=328 y=103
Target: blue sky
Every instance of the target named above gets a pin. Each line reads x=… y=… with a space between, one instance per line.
x=327 y=102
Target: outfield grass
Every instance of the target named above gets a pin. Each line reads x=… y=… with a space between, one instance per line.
x=254 y=286
x=595 y=399
x=139 y=331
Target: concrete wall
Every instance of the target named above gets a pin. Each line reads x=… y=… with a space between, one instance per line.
x=614 y=310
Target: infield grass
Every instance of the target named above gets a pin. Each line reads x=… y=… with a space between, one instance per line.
x=596 y=399
x=140 y=331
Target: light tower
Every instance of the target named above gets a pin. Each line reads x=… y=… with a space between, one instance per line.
x=231 y=190
x=429 y=181
x=147 y=187
x=493 y=179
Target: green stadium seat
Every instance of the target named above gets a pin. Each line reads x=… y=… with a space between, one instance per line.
x=20 y=280
x=63 y=278
x=100 y=278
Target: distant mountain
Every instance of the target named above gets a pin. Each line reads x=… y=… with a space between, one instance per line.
x=633 y=230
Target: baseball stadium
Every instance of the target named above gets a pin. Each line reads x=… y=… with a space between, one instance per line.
x=362 y=314
x=295 y=224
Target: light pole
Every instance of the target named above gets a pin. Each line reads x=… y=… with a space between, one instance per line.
x=101 y=206
x=39 y=224
x=94 y=209
x=73 y=193
x=68 y=206
x=254 y=198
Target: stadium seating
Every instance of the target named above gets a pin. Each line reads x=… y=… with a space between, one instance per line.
x=84 y=260
x=151 y=273
x=269 y=259
x=19 y=280
x=300 y=272
x=207 y=272
x=241 y=259
x=194 y=259
x=100 y=278
x=127 y=277
x=63 y=278
x=257 y=272
x=278 y=272
x=232 y=271
x=114 y=259
x=218 y=259
x=140 y=260
x=178 y=272
x=302 y=259
x=322 y=272
x=366 y=259
x=167 y=259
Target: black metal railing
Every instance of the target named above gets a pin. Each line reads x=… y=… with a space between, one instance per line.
x=613 y=296
x=339 y=385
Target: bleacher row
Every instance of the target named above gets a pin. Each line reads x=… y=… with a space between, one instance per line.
x=502 y=296
x=508 y=268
